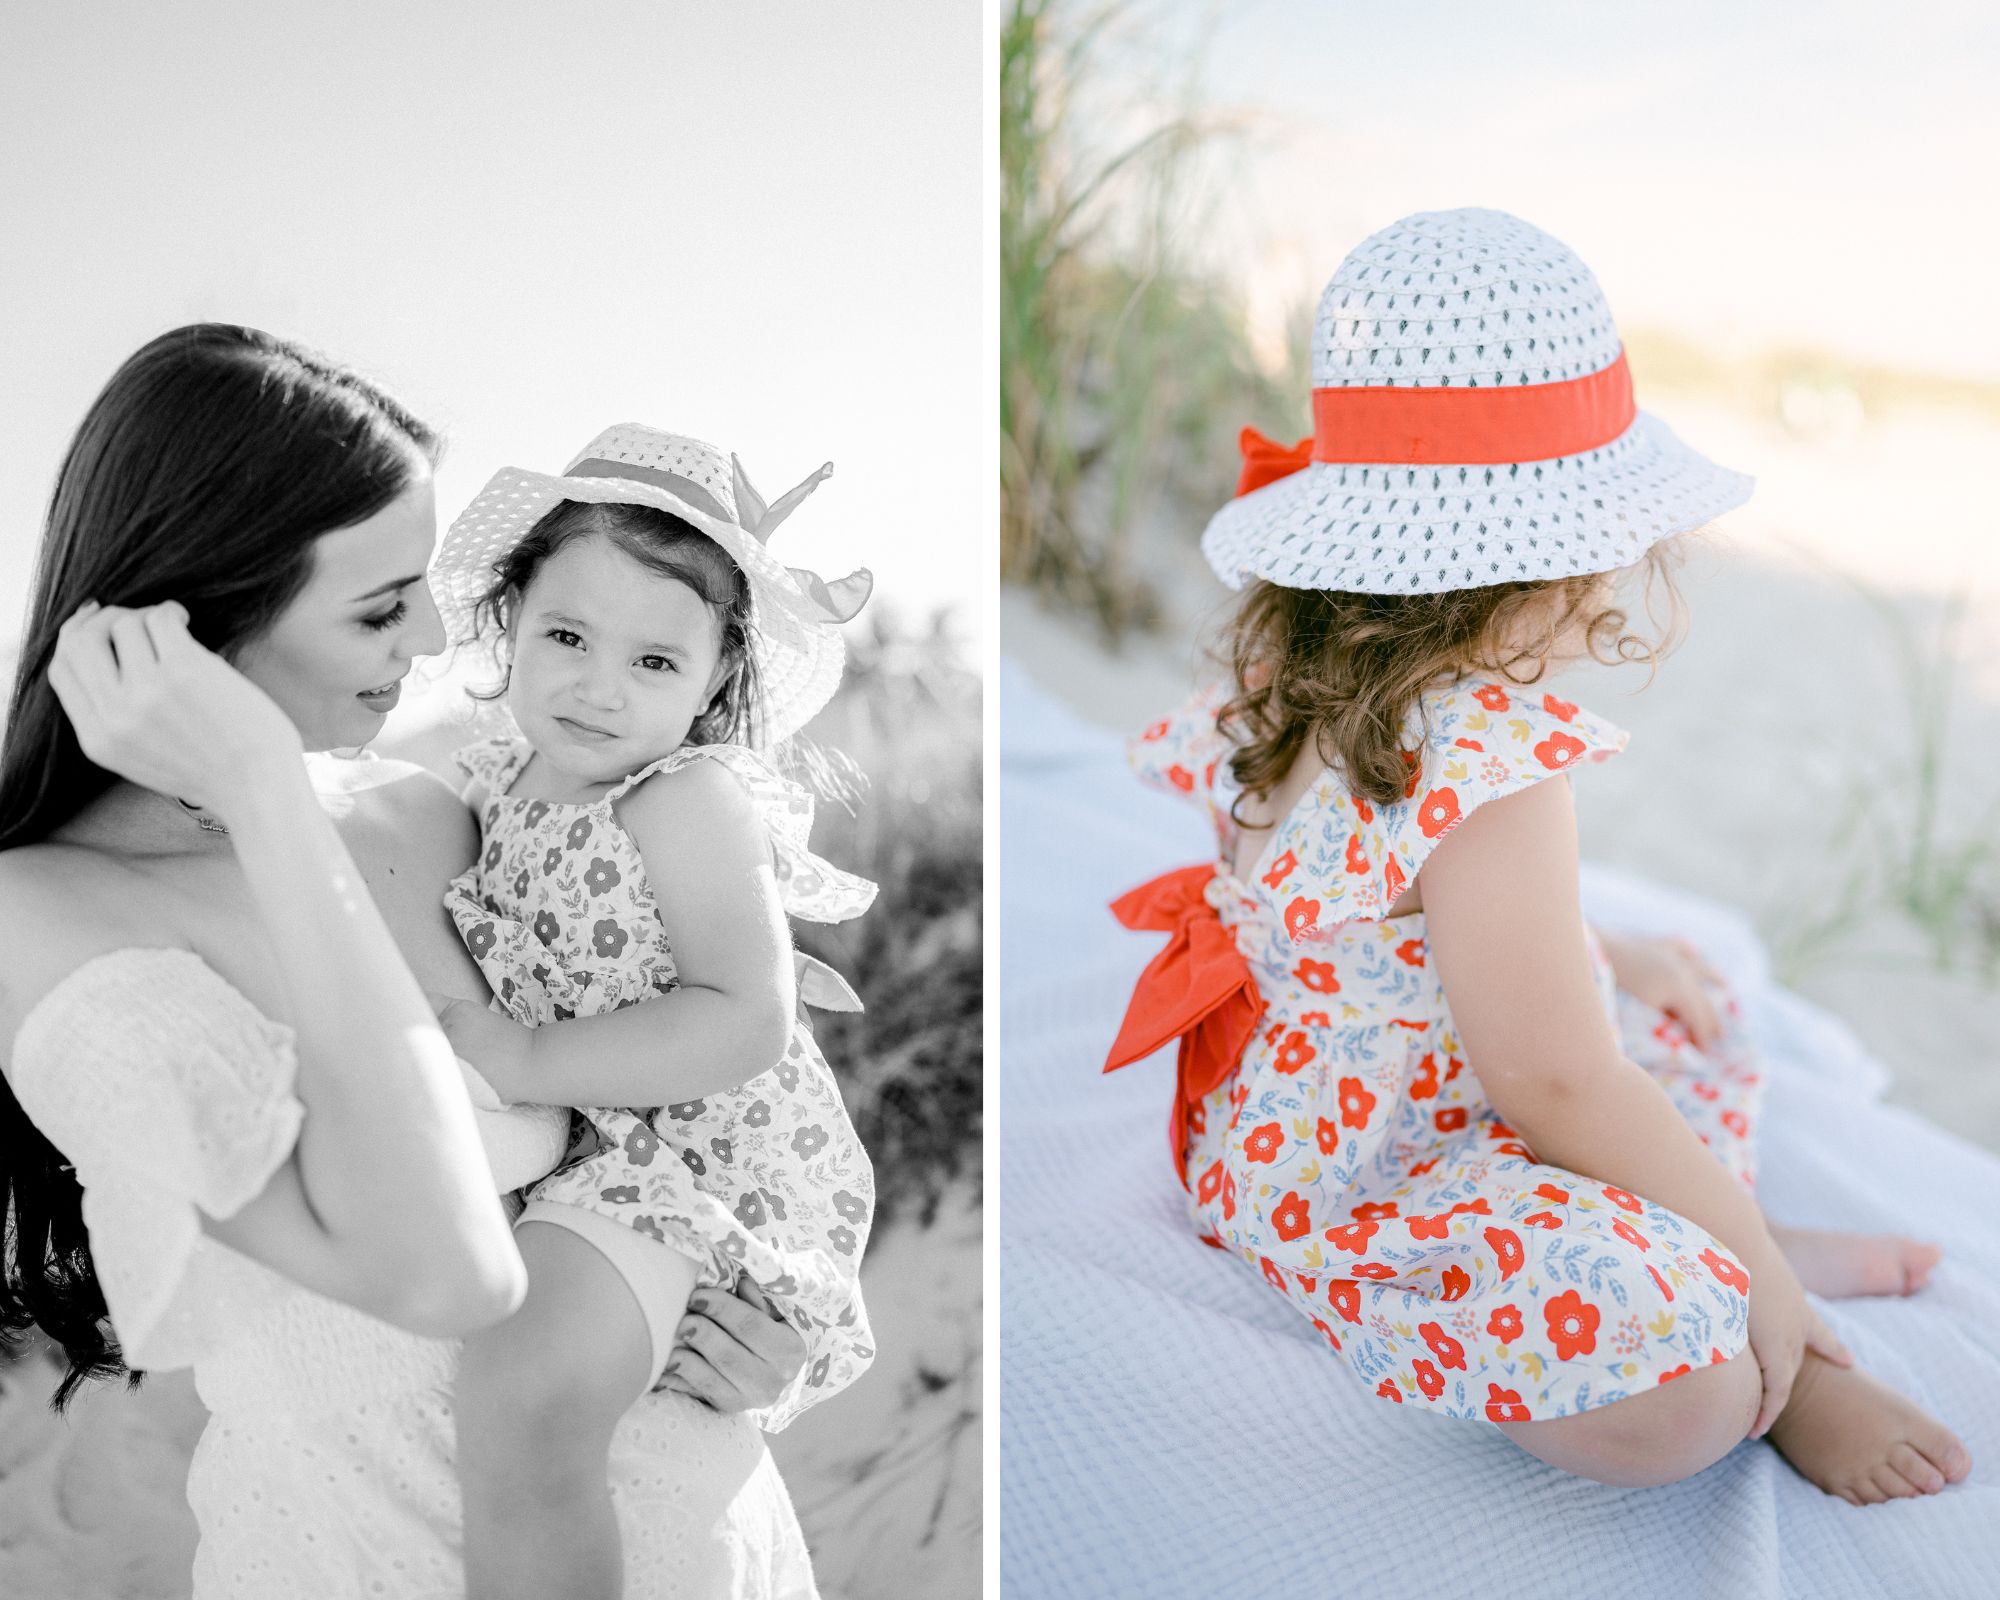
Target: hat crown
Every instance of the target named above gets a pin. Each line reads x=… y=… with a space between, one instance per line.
x=702 y=464
x=1461 y=299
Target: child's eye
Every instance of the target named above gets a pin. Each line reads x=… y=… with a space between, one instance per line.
x=659 y=663
x=389 y=618
x=565 y=637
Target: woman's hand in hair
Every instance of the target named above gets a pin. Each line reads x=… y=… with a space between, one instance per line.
x=155 y=707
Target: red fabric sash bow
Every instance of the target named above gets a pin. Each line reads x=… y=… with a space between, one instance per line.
x=1398 y=425
x=1198 y=989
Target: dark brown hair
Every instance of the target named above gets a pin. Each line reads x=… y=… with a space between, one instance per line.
x=668 y=545
x=1344 y=670
x=204 y=472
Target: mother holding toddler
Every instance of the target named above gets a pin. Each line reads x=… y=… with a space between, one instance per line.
x=232 y=1126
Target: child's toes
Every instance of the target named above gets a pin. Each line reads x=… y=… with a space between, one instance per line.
x=1893 y=1484
x=1918 y=1260
x=1938 y=1445
x=1907 y=1460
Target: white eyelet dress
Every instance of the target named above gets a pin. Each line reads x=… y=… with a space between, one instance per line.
x=767 y=1179
x=327 y=1463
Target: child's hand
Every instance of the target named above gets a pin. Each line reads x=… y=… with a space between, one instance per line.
x=496 y=1045
x=1669 y=975
x=1783 y=1326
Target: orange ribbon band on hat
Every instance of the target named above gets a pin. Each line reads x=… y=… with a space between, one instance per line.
x=1199 y=989
x=1407 y=426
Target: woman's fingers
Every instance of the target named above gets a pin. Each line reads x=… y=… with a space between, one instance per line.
x=130 y=640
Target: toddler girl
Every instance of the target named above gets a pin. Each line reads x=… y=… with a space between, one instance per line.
x=1502 y=1164
x=628 y=909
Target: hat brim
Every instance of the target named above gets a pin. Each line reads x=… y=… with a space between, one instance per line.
x=798 y=657
x=1369 y=529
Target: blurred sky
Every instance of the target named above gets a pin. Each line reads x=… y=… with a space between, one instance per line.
x=758 y=224
x=1750 y=174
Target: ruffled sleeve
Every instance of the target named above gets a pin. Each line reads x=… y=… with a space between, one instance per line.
x=494 y=763
x=1340 y=859
x=1178 y=754
x=808 y=886
x=172 y=1096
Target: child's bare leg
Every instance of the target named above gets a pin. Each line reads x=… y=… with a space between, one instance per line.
x=1839 y=1265
x=538 y=1399
x=1859 y=1439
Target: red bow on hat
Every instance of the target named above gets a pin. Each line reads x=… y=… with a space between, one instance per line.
x=1198 y=989
x=1266 y=461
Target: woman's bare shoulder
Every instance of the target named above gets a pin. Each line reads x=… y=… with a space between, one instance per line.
x=67 y=904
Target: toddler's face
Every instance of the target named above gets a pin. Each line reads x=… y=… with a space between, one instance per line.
x=612 y=661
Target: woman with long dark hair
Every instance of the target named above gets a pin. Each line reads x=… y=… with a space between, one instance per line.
x=232 y=1130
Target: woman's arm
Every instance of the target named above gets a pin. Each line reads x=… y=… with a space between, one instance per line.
x=387 y=1201
x=708 y=857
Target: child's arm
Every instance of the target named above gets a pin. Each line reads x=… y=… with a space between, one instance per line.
x=708 y=857
x=1506 y=931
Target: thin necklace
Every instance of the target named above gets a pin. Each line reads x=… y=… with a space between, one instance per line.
x=204 y=820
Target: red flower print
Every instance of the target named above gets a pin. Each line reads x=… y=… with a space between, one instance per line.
x=1421 y=1167
x=1429 y=1379
x=1424 y=1086
x=1438 y=1227
x=1295 y=1054
x=1726 y=1271
x=1280 y=870
x=1561 y=710
x=1308 y=1283
x=1542 y=1219
x=1197 y=1117
x=1228 y=1196
x=1357 y=857
x=1355 y=1103
x=1316 y=1019
x=1371 y=1210
x=1630 y=1234
x=1332 y=1338
x=1450 y=1120
x=1572 y=1325
x=1272 y=1272
x=1414 y=768
x=1363 y=809
x=1736 y=1123
x=1715 y=1357
x=1622 y=1200
x=1492 y=697
x=1329 y=1136
x=1504 y=1405
x=1210 y=1184
x=1703 y=1091
x=1388 y=1391
x=1264 y=1142
x=1181 y=778
x=1506 y=1244
x=1456 y=1281
x=1291 y=1217
x=1301 y=917
x=1352 y=1236
x=1344 y=1295
x=1411 y=952
x=1470 y=744
x=1671 y=1034
x=1157 y=731
x=1448 y=1350
x=1505 y=1324
x=1549 y=1191
x=1476 y=1207
x=1680 y=1371
x=1317 y=976
x=1393 y=879
x=1662 y=1282
x=1374 y=1269
x=1438 y=813
x=1558 y=750
x=1514 y=1147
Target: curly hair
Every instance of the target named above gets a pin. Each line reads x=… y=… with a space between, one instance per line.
x=670 y=546
x=1344 y=670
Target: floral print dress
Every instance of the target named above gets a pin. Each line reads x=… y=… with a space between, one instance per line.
x=767 y=1178
x=1350 y=1156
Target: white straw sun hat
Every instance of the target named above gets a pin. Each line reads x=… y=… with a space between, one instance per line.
x=794 y=613
x=1473 y=424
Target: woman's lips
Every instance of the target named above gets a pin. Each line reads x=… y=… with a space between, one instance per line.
x=383 y=699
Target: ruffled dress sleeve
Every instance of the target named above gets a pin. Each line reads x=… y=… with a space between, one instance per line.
x=808 y=887
x=1339 y=858
x=493 y=763
x=172 y=1096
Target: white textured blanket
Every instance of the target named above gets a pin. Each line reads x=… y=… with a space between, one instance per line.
x=1169 y=1428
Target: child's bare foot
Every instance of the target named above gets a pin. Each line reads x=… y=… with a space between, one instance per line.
x=1859 y=1439
x=1839 y=1265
